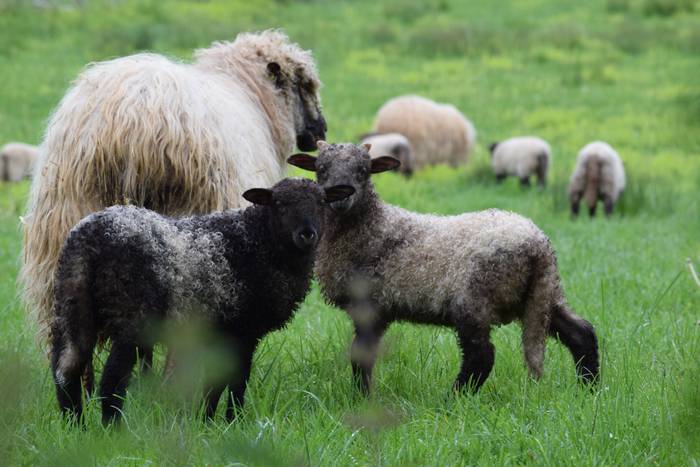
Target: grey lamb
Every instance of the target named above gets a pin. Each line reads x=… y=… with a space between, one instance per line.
x=471 y=272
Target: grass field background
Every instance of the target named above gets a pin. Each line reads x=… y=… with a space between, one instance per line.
x=623 y=71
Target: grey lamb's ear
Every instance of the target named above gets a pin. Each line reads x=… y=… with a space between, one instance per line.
x=261 y=196
x=303 y=161
x=338 y=193
x=384 y=163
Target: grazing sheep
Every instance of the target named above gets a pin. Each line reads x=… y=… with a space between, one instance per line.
x=438 y=133
x=124 y=271
x=381 y=264
x=599 y=174
x=175 y=138
x=392 y=144
x=17 y=161
x=521 y=156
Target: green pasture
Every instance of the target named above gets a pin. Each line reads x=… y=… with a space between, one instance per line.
x=624 y=71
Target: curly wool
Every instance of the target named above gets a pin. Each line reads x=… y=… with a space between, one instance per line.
x=438 y=133
x=177 y=138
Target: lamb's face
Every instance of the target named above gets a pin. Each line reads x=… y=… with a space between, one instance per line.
x=344 y=164
x=296 y=209
x=300 y=89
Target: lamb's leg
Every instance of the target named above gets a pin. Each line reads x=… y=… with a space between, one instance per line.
x=608 y=205
x=239 y=381
x=591 y=209
x=478 y=354
x=115 y=379
x=500 y=178
x=575 y=203
x=240 y=355
x=579 y=337
x=363 y=352
x=525 y=182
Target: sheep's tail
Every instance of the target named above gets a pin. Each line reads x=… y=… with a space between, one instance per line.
x=592 y=182
x=579 y=337
x=542 y=166
x=73 y=330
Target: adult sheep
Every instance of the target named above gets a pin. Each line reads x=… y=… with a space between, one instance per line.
x=438 y=133
x=599 y=174
x=17 y=161
x=173 y=137
x=521 y=156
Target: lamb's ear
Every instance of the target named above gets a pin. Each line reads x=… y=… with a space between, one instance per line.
x=275 y=71
x=261 y=196
x=384 y=163
x=367 y=146
x=321 y=145
x=338 y=192
x=492 y=147
x=303 y=161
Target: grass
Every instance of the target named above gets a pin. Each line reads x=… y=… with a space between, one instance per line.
x=623 y=71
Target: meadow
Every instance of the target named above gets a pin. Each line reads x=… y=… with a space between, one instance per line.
x=624 y=71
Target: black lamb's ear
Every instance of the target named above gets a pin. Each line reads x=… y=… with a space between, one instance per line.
x=261 y=196
x=338 y=193
x=492 y=147
x=303 y=161
x=275 y=71
x=384 y=163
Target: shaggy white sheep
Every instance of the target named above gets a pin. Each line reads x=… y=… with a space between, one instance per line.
x=392 y=144
x=173 y=137
x=599 y=174
x=438 y=133
x=17 y=161
x=522 y=157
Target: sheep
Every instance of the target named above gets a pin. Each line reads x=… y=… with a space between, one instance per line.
x=17 y=161
x=392 y=144
x=381 y=264
x=599 y=174
x=438 y=133
x=173 y=137
x=521 y=156
x=126 y=270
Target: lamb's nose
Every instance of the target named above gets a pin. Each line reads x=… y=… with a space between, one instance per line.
x=308 y=235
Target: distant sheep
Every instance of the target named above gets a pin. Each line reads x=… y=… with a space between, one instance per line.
x=438 y=133
x=472 y=272
x=395 y=145
x=599 y=175
x=17 y=161
x=125 y=271
x=175 y=138
x=522 y=156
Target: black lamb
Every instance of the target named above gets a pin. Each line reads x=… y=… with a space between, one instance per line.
x=125 y=271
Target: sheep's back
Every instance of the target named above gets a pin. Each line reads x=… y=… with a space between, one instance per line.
x=438 y=133
x=518 y=156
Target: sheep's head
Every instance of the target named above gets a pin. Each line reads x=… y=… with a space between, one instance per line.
x=271 y=58
x=344 y=164
x=293 y=73
x=296 y=207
